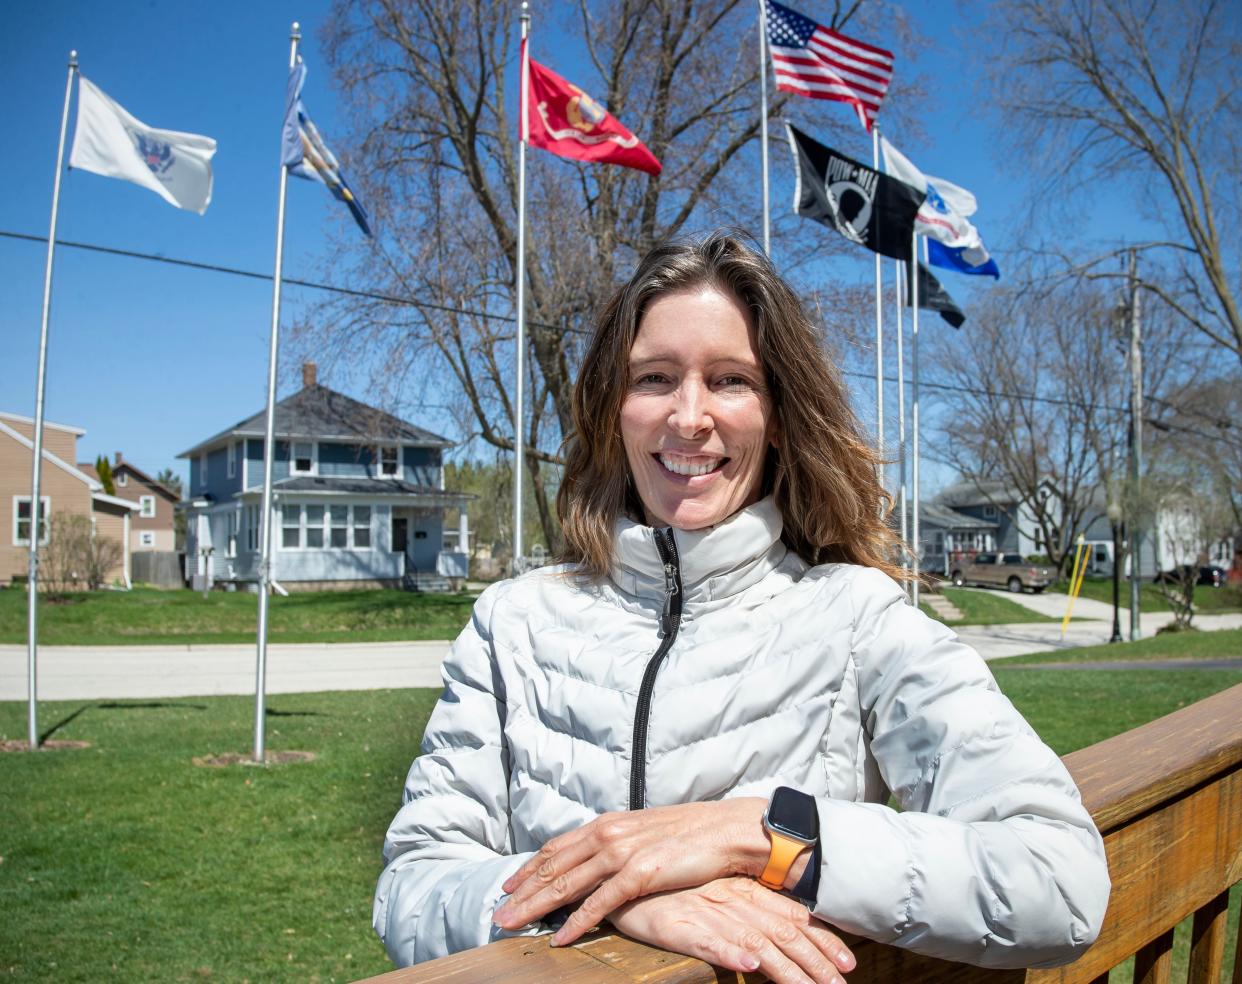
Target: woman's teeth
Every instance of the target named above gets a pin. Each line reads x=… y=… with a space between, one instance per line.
x=686 y=466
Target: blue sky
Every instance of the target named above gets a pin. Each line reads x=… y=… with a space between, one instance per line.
x=150 y=358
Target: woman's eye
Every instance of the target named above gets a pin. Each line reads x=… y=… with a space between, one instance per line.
x=734 y=382
x=651 y=379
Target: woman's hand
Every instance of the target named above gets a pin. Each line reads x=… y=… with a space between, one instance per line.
x=622 y=856
x=739 y=924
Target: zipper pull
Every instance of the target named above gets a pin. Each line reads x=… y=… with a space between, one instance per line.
x=672 y=583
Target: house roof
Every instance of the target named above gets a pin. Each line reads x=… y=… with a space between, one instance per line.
x=972 y=493
x=113 y=500
x=362 y=486
x=89 y=468
x=950 y=519
x=318 y=413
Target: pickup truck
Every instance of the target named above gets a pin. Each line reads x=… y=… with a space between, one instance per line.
x=1006 y=570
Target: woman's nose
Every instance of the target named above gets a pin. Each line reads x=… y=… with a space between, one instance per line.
x=690 y=413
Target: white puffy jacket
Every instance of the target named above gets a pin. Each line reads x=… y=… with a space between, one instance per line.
x=778 y=674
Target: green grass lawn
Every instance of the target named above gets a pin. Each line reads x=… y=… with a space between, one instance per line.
x=1222 y=644
x=151 y=616
x=986 y=608
x=1208 y=600
x=125 y=861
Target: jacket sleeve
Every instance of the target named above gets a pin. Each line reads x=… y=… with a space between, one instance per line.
x=993 y=859
x=449 y=847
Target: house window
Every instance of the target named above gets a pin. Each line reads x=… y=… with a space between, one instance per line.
x=252 y=528
x=389 y=461
x=202 y=470
x=147 y=504
x=122 y=479
x=232 y=459
x=989 y=512
x=362 y=527
x=234 y=522
x=303 y=459
x=314 y=527
x=340 y=527
x=291 y=526
x=21 y=519
x=146 y=538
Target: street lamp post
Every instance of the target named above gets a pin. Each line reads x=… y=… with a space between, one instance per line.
x=1114 y=520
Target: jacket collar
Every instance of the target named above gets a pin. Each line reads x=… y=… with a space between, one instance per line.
x=715 y=562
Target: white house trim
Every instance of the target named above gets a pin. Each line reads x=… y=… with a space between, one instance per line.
x=80 y=432
x=46 y=503
x=60 y=463
x=114 y=501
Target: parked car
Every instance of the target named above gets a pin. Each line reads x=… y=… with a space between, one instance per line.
x=1008 y=570
x=1211 y=575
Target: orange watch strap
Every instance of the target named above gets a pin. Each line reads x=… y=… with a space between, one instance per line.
x=785 y=851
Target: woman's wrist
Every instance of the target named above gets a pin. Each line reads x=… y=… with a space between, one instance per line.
x=750 y=844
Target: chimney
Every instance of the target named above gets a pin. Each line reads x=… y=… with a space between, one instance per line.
x=308 y=374
x=118 y=457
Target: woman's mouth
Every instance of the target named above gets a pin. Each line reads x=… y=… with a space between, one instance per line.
x=682 y=465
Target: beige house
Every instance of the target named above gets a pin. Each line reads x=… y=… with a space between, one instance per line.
x=151 y=527
x=64 y=489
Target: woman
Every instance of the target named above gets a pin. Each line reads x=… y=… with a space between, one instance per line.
x=722 y=685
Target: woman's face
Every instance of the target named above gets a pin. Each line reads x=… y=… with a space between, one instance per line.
x=697 y=418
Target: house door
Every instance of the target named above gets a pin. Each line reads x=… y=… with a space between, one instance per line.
x=400 y=533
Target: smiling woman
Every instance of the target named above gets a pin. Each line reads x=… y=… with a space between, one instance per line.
x=697 y=420
x=692 y=727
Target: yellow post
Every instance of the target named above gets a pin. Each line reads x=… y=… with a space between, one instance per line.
x=1080 y=569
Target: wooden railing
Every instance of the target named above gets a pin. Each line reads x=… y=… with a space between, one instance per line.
x=1168 y=799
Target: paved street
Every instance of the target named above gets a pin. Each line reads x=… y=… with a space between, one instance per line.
x=89 y=672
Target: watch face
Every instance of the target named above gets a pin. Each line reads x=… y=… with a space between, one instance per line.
x=793 y=813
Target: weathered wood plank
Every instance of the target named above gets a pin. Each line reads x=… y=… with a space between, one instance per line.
x=1154 y=961
x=1164 y=865
x=1124 y=776
x=1167 y=797
x=1207 y=941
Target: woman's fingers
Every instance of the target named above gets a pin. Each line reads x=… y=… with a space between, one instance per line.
x=551 y=887
x=780 y=907
x=784 y=953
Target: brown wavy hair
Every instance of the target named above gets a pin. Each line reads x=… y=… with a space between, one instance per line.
x=822 y=471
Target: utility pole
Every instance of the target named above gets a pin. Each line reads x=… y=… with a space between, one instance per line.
x=1136 y=445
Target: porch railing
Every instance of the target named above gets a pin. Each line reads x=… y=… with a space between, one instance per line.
x=1166 y=796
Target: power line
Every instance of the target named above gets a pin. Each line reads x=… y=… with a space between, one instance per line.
x=406 y=302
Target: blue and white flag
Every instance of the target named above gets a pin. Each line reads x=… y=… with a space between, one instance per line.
x=963 y=259
x=943 y=215
x=305 y=154
x=109 y=141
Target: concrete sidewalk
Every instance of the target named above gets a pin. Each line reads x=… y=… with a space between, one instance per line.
x=88 y=672
x=112 y=672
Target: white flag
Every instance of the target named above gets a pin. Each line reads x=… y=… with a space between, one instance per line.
x=107 y=140
x=943 y=215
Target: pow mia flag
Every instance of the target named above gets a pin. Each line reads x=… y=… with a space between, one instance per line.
x=932 y=296
x=865 y=206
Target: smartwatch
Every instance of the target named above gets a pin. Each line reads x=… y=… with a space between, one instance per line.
x=792 y=823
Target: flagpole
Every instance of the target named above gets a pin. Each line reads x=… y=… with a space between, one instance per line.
x=37 y=518
x=519 y=451
x=763 y=124
x=879 y=322
x=901 y=416
x=914 y=419
x=269 y=441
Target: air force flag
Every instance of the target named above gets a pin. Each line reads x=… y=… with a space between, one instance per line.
x=305 y=154
x=108 y=141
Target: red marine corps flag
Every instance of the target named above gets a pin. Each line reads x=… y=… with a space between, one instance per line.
x=563 y=119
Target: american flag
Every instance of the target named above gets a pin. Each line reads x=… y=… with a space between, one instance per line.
x=821 y=63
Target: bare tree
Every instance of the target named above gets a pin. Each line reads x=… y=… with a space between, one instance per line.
x=431 y=87
x=1144 y=92
x=1043 y=406
x=75 y=556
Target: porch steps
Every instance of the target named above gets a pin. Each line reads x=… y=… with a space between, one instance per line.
x=945 y=610
x=427 y=582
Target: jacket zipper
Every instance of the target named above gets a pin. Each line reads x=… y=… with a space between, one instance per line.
x=670 y=622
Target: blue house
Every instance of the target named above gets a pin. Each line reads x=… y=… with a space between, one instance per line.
x=359 y=499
